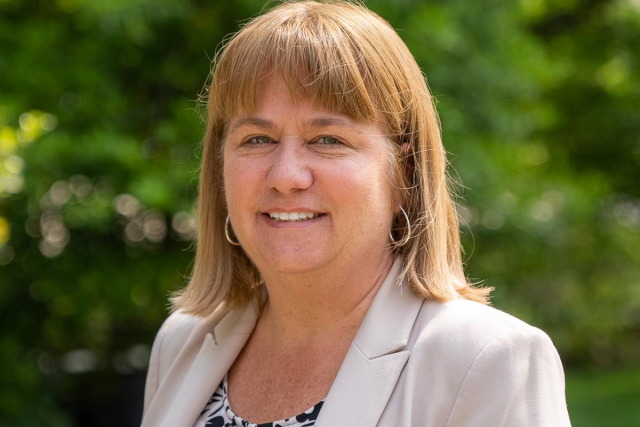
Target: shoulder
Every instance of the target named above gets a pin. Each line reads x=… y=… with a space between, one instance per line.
x=459 y=333
x=488 y=362
x=467 y=327
x=181 y=330
x=175 y=332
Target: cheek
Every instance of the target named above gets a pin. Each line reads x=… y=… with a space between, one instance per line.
x=237 y=183
x=228 y=183
x=362 y=191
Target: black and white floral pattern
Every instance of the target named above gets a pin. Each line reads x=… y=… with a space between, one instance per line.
x=217 y=413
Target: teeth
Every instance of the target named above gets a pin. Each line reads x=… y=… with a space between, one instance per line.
x=293 y=216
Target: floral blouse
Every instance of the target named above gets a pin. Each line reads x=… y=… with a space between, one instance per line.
x=218 y=413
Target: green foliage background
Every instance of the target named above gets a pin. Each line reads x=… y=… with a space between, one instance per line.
x=99 y=147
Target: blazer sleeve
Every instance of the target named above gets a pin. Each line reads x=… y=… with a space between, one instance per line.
x=516 y=380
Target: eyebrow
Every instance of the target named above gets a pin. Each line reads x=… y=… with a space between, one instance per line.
x=253 y=121
x=318 y=122
x=323 y=122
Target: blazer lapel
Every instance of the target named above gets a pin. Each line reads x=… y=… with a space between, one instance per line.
x=375 y=359
x=203 y=372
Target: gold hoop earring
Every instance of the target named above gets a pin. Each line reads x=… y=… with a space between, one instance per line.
x=407 y=235
x=227 y=234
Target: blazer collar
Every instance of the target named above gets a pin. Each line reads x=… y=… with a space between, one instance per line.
x=390 y=318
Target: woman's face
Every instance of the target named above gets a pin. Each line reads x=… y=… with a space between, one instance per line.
x=306 y=189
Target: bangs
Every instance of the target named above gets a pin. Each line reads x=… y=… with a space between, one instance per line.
x=318 y=55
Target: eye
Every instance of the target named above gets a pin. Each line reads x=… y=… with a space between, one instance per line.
x=258 y=140
x=328 y=140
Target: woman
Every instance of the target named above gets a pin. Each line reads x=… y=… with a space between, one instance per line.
x=328 y=287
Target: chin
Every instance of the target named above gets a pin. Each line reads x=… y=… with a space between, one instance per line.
x=290 y=254
x=294 y=260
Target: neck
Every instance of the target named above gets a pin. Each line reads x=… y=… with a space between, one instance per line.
x=322 y=303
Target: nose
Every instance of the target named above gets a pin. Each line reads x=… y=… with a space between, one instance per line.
x=289 y=170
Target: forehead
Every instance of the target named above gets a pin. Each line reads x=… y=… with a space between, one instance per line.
x=276 y=100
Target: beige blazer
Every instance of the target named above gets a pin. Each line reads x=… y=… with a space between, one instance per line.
x=412 y=363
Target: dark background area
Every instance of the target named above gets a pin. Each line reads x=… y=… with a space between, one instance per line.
x=99 y=145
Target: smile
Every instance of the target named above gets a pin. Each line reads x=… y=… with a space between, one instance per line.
x=293 y=216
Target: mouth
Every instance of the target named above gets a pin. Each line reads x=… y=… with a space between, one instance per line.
x=293 y=216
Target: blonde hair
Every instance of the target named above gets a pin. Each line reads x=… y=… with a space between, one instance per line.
x=351 y=62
